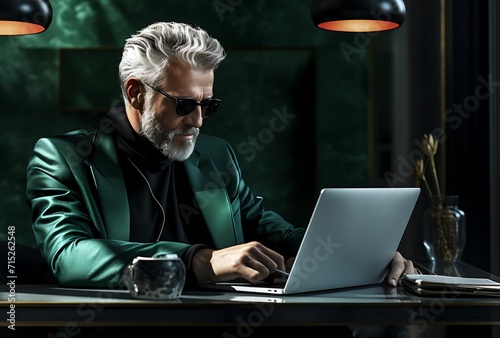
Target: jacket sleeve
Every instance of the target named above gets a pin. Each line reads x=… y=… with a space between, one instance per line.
x=66 y=222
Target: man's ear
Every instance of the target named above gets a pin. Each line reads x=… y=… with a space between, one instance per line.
x=134 y=89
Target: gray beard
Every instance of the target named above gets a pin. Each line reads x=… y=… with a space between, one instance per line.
x=162 y=139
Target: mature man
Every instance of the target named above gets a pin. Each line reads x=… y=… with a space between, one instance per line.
x=147 y=183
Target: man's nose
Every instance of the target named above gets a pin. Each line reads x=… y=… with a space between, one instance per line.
x=195 y=118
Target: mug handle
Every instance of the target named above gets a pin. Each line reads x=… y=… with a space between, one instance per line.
x=128 y=278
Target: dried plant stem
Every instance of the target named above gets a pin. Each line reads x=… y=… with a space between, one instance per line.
x=427 y=185
x=434 y=174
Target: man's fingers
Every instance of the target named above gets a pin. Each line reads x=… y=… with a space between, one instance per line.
x=263 y=261
x=251 y=261
x=399 y=267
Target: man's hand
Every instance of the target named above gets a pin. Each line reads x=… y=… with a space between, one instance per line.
x=251 y=261
x=399 y=267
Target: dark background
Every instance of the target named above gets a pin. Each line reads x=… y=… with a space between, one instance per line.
x=279 y=68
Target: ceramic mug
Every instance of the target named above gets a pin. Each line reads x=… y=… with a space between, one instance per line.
x=155 y=277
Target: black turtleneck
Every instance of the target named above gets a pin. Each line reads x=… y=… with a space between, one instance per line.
x=152 y=180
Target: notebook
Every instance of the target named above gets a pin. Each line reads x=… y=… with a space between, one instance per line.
x=351 y=238
x=450 y=286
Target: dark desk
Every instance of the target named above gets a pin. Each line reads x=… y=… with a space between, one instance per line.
x=37 y=305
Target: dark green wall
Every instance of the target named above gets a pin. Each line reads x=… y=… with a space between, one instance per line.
x=285 y=85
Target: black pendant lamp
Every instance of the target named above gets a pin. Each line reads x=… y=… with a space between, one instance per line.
x=22 y=17
x=358 y=15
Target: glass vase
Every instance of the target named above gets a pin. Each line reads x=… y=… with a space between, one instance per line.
x=444 y=230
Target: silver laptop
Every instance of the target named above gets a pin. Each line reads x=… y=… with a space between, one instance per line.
x=350 y=241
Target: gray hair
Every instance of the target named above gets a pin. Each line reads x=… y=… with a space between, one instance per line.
x=147 y=53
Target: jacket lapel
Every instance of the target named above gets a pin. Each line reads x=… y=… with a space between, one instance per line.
x=110 y=185
x=212 y=199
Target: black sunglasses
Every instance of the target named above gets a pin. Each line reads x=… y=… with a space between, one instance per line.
x=185 y=106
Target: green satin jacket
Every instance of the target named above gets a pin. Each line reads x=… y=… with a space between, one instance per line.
x=80 y=211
